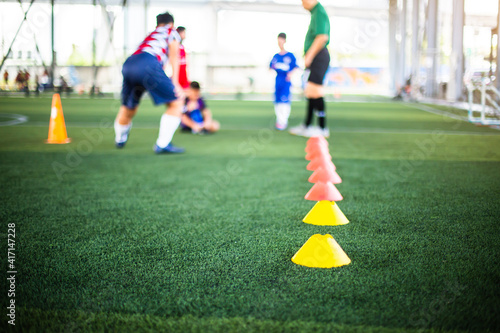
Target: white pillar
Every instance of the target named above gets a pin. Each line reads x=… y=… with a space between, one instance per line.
x=498 y=48
x=393 y=50
x=455 y=86
x=432 y=48
x=415 y=49
x=125 y=30
x=146 y=5
x=402 y=47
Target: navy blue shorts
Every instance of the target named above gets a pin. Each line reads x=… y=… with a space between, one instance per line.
x=143 y=72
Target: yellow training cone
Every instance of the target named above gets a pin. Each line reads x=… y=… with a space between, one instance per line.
x=325 y=213
x=321 y=251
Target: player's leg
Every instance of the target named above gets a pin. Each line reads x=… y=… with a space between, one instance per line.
x=213 y=126
x=162 y=91
x=283 y=106
x=169 y=123
x=314 y=94
x=131 y=95
x=123 y=124
x=282 y=115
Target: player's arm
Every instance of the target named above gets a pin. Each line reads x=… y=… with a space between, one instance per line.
x=294 y=67
x=318 y=44
x=272 y=64
x=173 y=56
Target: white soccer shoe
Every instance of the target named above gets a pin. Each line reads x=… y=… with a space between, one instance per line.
x=325 y=132
x=316 y=131
x=298 y=130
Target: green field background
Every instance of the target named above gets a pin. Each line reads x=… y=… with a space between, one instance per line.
x=126 y=240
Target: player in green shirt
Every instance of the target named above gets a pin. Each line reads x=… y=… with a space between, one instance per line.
x=317 y=61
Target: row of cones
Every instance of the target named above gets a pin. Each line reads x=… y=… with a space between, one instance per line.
x=322 y=250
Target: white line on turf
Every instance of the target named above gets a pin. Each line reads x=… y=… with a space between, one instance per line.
x=334 y=130
x=436 y=111
x=16 y=119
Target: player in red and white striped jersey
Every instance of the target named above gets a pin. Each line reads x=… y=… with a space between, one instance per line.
x=142 y=71
x=157 y=42
x=183 y=79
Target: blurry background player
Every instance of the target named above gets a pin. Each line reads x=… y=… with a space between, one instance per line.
x=143 y=71
x=283 y=63
x=197 y=117
x=183 y=79
x=317 y=61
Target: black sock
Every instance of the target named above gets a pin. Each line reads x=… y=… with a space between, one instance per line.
x=310 y=112
x=319 y=104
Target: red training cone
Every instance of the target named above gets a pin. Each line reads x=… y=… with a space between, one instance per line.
x=321 y=161
x=325 y=175
x=319 y=151
x=323 y=191
x=317 y=139
x=314 y=145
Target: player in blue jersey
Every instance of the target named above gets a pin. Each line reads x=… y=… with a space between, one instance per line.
x=283 y=63
x=197 y=117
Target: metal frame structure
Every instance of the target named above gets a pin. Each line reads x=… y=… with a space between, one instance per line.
x=487 y=90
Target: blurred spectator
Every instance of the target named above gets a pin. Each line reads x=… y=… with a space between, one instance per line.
x=26 y=82
x=63 y=85
x=44 y=81
x=20 y=80
x=6 y=79
x=37 y=85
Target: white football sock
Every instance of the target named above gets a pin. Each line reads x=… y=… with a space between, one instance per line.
x=168 y=125
x=121 y=131
x=282 y=111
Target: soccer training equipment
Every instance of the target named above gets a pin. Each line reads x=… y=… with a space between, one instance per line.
x=316 y=139
x=325 y=174
x=321 y=161
x=323 y=191
x=325 y=213
x=57 y=126
x=321 y=251
x=318 y=151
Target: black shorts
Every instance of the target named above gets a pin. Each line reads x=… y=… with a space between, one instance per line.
x=319 y=67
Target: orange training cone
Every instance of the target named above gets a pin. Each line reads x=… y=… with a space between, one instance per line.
x=314 y=145
x=317 y=139
x=323 y=191
x=325 y=175
x=57 y=127
x=321 y=161
x=318 y=152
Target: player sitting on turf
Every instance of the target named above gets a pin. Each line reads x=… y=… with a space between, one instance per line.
x=197 y=117
x=143 y=71
x=283 y=63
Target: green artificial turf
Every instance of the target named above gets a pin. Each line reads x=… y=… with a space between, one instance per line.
x=125 y=240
